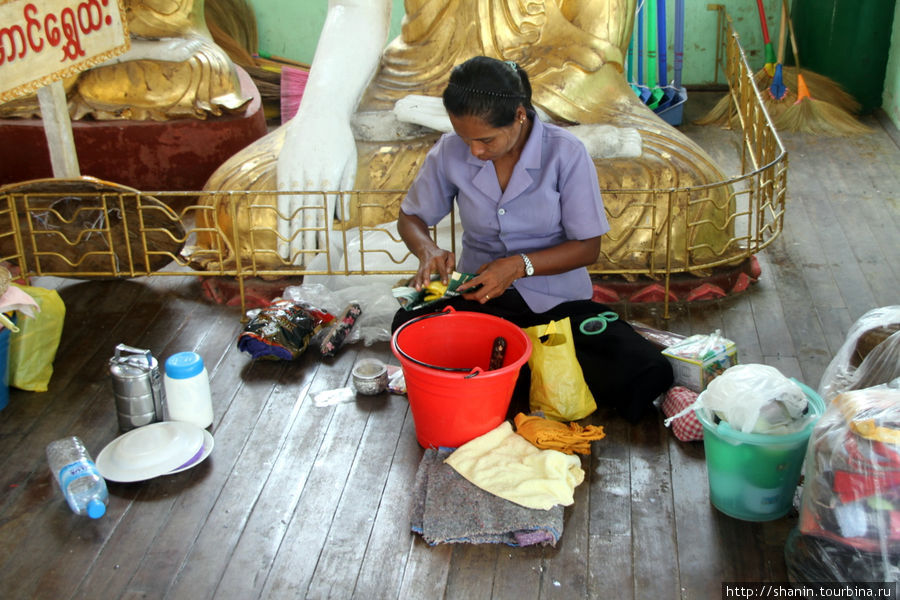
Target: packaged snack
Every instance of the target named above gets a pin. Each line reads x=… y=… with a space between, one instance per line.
x=411 y=299
x=698 y=359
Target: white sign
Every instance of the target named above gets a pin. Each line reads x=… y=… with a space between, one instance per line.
x=48 y=40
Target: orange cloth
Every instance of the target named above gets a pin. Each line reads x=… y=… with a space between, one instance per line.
x=553 y=435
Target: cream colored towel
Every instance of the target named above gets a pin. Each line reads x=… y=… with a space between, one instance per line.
x=507 y=465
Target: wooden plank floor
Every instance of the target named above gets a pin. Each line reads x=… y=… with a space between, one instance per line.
x=300 y=501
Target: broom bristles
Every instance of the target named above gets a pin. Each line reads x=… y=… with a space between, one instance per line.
x=809 y=115
x=819 y=86
x=293 y=82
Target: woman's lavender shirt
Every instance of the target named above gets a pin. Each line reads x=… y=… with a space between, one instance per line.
x=553 y=196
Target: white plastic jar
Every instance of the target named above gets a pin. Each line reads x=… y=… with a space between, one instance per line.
x=187 y=389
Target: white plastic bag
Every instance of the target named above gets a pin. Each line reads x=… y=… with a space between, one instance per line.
x=756 y=398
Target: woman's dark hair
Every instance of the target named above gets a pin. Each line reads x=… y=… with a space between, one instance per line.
x=489 y=89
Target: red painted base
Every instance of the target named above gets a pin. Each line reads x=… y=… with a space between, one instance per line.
x=685 y=288
x=682 y=288
x=257 y=292
x=177 y=155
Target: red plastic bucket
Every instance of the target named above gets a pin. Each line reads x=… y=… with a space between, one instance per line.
x=445 y=357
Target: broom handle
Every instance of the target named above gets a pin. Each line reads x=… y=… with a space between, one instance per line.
x=782 y=35
x=662 y=41
x=790 y=23
x=762 y=21
x=679 y=40
x=640 y=44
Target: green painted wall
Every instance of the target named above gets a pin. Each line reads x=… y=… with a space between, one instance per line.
x=291 y=28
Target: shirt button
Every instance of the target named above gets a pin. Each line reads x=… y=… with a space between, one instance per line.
x=501 y=212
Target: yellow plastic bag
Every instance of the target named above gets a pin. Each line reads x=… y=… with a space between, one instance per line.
x=33 y=348
x=557 y=382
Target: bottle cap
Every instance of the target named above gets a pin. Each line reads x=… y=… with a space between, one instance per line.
x=96 y=509
x=183 y=365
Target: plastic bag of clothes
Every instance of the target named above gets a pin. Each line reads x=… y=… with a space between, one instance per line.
x=282 y=330
x=869 y=356
x=849 y=524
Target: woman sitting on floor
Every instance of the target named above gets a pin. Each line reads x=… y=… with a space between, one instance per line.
x=529 y=202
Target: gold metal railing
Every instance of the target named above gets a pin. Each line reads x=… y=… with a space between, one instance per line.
x=96 y=229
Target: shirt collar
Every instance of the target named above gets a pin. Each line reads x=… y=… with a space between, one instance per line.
x=529 y=159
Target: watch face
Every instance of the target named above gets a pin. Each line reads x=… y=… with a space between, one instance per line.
x=529 y=268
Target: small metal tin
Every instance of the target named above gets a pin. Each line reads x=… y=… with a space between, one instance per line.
x=137 y=387
x=370 y=376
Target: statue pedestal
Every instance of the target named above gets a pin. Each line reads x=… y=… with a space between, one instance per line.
x=177 y=155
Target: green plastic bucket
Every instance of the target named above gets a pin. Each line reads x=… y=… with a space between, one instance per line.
x=752 y=476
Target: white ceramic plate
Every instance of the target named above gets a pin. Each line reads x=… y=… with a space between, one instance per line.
x=150 y=451
x=202 y=453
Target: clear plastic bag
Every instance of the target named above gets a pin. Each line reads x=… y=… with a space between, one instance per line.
x=849 y=524
x=377 y=307
x=859 y=365
x=282 y=330
x=698 y=359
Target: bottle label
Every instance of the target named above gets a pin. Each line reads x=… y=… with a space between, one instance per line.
x=73 y=471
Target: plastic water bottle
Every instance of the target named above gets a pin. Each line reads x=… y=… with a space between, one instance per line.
x=77 y=476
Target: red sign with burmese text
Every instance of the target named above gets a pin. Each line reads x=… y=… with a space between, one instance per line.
x=47 y=40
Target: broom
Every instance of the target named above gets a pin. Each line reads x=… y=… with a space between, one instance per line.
x=820 y=86
x=719 y=113
x=778 y=96
x=769 y=67
x=810 y=115
x=656 y=94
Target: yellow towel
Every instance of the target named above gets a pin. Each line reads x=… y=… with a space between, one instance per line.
x=554 y=435
x=507 y=465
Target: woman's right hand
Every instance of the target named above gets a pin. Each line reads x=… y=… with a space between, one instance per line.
x=434 y=260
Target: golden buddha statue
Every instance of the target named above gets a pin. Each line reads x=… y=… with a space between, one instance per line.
x=573 y=53
x=173 y=70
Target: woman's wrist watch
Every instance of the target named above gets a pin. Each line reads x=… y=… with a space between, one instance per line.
x=529 y=268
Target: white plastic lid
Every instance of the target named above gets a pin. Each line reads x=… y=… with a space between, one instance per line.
x=96 y=509
x=184 y=365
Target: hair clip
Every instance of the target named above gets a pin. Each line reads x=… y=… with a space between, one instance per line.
x=512 y=65
x=478 y=92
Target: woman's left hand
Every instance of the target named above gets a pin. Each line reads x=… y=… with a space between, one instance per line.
x=493 y=279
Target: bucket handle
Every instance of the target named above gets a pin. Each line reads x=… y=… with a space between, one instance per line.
x=471 y=372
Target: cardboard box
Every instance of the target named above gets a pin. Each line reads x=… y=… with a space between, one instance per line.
x=699 y=359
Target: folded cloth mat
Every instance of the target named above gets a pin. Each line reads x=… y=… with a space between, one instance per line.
x=507 y=465
x=553 y=435
x=448 y=509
